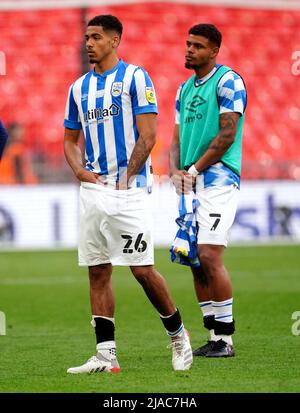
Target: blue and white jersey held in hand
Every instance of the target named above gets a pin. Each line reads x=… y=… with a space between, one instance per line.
x=105 y=106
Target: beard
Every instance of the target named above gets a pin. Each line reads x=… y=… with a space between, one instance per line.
x=93 y=60
x=190 y=66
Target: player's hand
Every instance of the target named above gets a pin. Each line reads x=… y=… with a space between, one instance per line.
x=182 y=181
x=122 y=184
x=87 y=176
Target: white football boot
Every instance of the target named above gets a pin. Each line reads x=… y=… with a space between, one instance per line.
x=182 y=354
x=104 y=360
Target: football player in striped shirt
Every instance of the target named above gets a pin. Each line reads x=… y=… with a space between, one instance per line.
x=115 y=106
x=206 y=152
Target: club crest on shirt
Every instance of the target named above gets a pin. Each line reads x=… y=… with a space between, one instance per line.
x=116 y=88
x=150 y=95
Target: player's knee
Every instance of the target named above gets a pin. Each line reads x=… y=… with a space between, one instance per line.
x=99 y=274
x=140 y=273
x=210 y=259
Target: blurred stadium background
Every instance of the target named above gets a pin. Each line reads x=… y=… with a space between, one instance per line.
x=42 y=53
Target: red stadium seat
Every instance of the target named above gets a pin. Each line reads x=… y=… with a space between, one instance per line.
x=43 y=53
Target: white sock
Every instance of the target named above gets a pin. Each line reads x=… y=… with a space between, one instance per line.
x=105 y=345
x=213 y=337
x=223 y=313
x=206 y=308
x=175 y=334
x=227 y=339
x=107 y=349
x=223 y=310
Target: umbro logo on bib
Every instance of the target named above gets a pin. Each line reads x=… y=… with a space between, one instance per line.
x=194 y=103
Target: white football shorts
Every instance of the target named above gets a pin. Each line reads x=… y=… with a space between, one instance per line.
x=115 y=226
x=216 y=213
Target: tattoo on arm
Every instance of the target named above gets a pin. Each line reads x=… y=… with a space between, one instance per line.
x=226 y=135
x=138 y=157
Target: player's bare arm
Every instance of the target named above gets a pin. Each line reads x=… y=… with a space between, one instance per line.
x=181 y=179
x=73 y=155
x=146 y=125
x=221 y=143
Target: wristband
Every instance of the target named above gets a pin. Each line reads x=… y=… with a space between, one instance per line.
x=193 y=171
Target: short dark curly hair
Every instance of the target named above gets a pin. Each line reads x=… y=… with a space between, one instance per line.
x=209 y=31
x=108 y=22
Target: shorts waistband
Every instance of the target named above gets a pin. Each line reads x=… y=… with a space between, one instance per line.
x=112 y=188
x=99 y=185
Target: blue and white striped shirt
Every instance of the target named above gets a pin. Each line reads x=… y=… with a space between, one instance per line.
x=105 y=107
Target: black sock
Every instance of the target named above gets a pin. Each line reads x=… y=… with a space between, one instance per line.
x=173 y=323
x=226 y=329
x=105 y=330
x=209 y=322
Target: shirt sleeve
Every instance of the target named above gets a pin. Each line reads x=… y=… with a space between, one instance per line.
x=3 y=138
x=72 y=120
x=142 y=93
x=177 y=105
x=231 y=93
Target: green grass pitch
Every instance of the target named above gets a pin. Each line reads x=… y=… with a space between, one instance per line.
x=46 y=301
